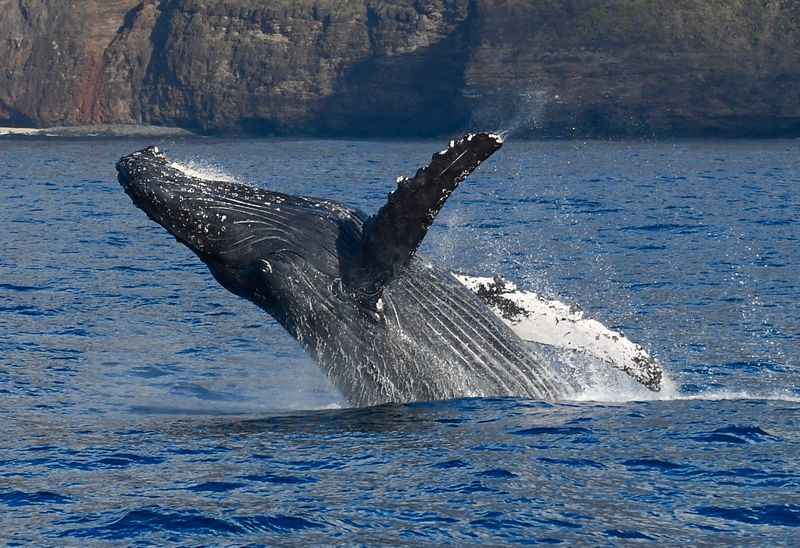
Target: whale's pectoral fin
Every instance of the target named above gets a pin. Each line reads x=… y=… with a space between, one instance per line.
x=555 y=324
x=392 y=235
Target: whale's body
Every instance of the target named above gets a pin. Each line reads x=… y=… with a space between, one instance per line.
x=386 y=324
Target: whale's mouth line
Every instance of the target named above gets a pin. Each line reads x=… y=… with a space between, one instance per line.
x=215 y=218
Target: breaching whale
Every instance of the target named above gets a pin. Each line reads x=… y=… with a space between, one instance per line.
x=385 y=323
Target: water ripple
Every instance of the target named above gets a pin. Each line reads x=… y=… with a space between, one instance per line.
x=785 y=515
x=144 y=405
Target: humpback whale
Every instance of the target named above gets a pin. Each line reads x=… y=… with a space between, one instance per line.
x=385 y=323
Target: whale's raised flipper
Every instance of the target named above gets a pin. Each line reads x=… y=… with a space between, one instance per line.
x=392 y=235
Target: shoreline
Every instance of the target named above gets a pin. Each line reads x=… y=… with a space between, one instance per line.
x=101 y=131
x=106 y=131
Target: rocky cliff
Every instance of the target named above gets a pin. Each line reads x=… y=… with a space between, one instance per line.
x=405 y=67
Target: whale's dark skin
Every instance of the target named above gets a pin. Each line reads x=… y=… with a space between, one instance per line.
x=386 y=324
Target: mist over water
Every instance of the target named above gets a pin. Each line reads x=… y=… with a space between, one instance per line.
x=528 y=111
x=142 y=403
x=512 y=113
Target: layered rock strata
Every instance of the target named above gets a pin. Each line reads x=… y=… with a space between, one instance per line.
x=405 y=67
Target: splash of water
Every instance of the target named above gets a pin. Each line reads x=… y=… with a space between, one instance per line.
x=514 y=112
x=591 y=357
x=203 y=170
x=593 y=380
x=586 y=368
x=529 y=111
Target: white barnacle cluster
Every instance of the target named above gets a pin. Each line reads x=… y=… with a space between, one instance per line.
x=442 y=199
x=497 y=137
x=450 y=146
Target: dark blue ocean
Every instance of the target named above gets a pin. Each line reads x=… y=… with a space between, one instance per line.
x=142 y=404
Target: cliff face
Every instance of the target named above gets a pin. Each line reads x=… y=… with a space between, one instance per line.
x=285 y=66
x=405 y=67
x=664 y=67
x=51 y=58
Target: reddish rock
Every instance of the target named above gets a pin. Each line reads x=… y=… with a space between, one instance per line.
x=405 y=67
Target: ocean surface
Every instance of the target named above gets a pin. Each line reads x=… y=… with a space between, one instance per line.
x=142 y=404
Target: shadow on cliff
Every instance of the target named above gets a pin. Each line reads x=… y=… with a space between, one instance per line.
x=414 y=94
x=164 y=99
x=11 y=117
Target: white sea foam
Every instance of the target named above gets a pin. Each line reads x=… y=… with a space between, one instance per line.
x=604 y=394
x=20 y=131
x=717 y=395
x=602 y=388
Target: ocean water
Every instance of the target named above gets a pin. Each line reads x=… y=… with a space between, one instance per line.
x=141 y=404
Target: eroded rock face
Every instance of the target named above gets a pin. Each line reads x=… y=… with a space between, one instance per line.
x=638 y=67
x=405 y=67
x=51 y=58
x=321 y=66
